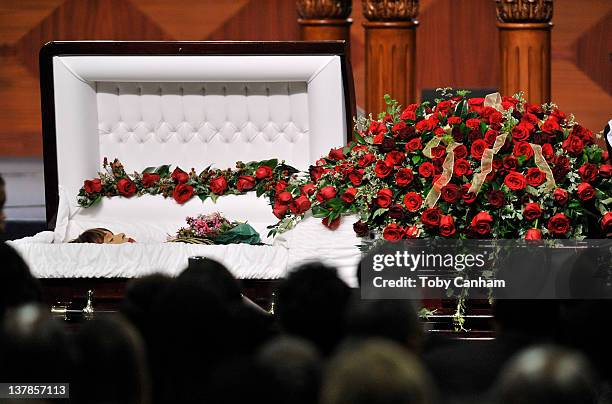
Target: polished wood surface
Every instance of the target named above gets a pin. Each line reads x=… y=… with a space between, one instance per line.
x=525 y=60
x=525 y=48
x=321 y=20
x=457 y=45
x=390 y=58
x=390 y=52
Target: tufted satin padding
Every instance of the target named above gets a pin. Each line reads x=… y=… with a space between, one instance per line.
x=204 y=120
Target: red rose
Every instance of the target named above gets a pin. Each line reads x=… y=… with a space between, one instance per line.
x=533 y=234
x=356 y=177
x=478 y=148
x=523 y=149
x=284 y=197
x=561 y=196
x=588 y=172
x=558 y=114
x=495 y=118
x=535 y=177
x=299 y=205
x=409 y=113
x=182 y=193
x=481 y=223
x=279 y=209
x=585 y=191
x=326 y=193
x=361 y=229
x=490 y=137
x=333 y=225
x=472 y=123
x=148 y=179
x=461 y=168
x=573 y=145
x=218 y=185
x=308 y=189
x=550 y=126
x=533 y=108
x=510 y=163
x=414 y=145
x=349 y=195
x=547 y=151
x=606 y=223
x=382 y=170
x=496 y=198
x=532 y=211
x=521 y=132
x=280 y=186
x=126 y=187
x=245 y=182
x=447 y=226
x=263 y=172
x=466 y=195
x=396 y=212
x=515 y=181
x=425 y=125
x=454 y=120
x=393 y=232
x=384 y=197
x=431 y=217
x=94 y=186
x=411 y=232
x=475 y=101
x=438 y=152
x=426 y=169
x=584 y=134
x=316 y=172
x=450 y=193
x=413 y=201
x=605 y=171
x=366 y=160
x=460 y=152
x=179 y=176
x=336 y=154
x=393 y=158
x=559 y=225
x=404 y=177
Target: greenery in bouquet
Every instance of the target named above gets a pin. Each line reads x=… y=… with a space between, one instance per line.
x=215 y=229
x=263 y=177
x=461 y=167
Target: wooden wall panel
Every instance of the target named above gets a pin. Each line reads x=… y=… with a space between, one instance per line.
x=457 y=46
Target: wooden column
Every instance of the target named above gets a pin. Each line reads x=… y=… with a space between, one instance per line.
x=390 y=40
x=325 y=19
x=524 y=40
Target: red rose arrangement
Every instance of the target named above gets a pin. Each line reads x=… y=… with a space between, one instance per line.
x=264 y=177
x=547 y=176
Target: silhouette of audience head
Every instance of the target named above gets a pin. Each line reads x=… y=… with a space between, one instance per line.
x=547 y=375
x=17 y=285
x=376 y=372
x=214 y=277
x=112 y=366
x=140 y=297
x=395 y=320
x=34 y=347
x=293 y=367
x=311 y=303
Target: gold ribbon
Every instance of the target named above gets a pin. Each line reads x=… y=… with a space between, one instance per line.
x=486 y=162
x=447 y=170
x=542 y=164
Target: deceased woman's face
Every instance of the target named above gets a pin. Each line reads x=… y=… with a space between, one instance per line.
x=119 y=238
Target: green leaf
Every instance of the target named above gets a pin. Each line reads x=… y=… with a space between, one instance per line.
x=163 y=170
x=379 y=212
x=148 y=170
x=483 y=127
x=319 y=211
x=416 y=159
x=214 y=197
x=203 y=197
x=358 y=138
x=270 y=163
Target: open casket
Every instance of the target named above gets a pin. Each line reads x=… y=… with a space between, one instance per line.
x=188 y=104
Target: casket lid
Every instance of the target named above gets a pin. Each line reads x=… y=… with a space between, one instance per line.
x=68 y=162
